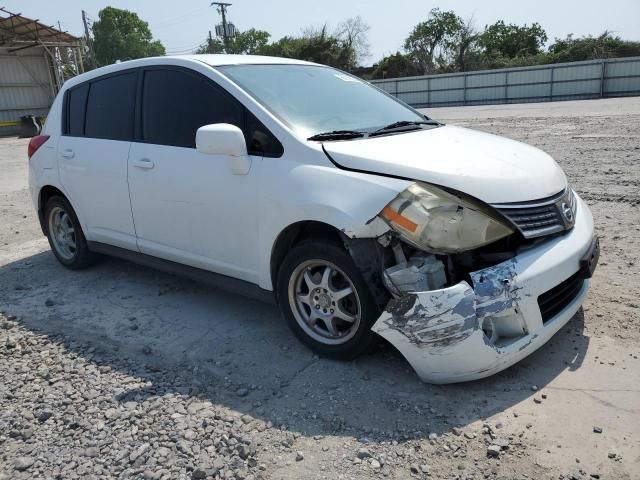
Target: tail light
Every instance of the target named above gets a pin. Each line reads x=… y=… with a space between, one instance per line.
x=35 y=143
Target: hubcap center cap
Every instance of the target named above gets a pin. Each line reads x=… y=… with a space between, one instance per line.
x=324 y=300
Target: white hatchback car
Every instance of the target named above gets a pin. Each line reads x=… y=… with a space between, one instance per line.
x=302 y=184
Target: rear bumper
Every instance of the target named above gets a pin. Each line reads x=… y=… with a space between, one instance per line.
x=463 y=333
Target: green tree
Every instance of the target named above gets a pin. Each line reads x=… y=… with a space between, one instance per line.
x=353 y=34
x=250 y=42
x=511 y=41
x=396 y=65
x=344 y=48
x=605 y=45
x=286 y=47
x=468 y=54
x=212 y=45
x=122 y=35
x=431 y=43
x=315 y=45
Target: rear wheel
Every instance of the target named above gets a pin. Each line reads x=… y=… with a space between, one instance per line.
x=325 y=300
x=65 y=235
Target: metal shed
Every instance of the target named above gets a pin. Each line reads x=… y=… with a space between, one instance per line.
x=35 y=60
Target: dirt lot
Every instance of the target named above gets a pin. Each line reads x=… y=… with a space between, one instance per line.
x=121 y=371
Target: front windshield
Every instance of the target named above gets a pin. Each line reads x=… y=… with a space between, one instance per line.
x=314 y=99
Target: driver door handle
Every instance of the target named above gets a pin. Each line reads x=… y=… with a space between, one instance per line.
x=143 y=163
x=68 y=153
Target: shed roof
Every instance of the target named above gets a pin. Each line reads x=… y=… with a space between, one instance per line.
x=17 y=30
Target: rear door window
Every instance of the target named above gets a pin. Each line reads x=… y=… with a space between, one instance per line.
x=111 y=107
x=175 y=103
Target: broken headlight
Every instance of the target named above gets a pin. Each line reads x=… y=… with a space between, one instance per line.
x=434 y=220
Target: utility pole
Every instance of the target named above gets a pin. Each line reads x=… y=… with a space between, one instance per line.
x=222 y=9
x=92 y=54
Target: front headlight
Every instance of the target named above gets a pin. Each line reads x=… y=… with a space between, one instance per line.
x=434 y=220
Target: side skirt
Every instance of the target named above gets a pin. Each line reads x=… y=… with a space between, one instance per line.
x=223 y=282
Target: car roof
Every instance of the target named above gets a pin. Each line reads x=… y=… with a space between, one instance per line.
x=211 y=60
x=218 y=60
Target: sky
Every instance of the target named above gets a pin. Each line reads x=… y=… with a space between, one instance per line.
x=183 y=25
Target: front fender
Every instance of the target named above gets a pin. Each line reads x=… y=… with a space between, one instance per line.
x=292 y=193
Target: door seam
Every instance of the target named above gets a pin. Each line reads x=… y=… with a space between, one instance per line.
x=133 y=218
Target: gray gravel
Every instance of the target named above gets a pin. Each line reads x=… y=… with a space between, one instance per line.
x=124 y=372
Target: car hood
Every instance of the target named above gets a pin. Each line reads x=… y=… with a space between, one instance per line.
x=491 y=168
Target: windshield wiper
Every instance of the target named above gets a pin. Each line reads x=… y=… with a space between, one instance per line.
x=337 y=135
x=348 y=134
x=402 y=124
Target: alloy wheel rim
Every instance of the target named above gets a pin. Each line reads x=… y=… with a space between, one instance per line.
x=62 y=233
x=324 y=302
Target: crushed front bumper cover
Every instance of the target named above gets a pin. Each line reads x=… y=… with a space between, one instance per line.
x=461 y=333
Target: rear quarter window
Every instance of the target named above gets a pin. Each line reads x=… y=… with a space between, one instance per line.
x=76 y=104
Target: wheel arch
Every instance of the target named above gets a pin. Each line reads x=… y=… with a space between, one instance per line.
x=46 y=192
x=296 y=233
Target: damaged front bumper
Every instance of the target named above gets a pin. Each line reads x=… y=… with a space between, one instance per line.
x=466 y=332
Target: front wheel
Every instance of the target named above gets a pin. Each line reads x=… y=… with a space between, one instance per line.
x=326 y=301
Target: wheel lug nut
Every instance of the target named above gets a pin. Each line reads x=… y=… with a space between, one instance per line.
x=317 y=307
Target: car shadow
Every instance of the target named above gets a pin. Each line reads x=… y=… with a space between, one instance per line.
x=180 y=337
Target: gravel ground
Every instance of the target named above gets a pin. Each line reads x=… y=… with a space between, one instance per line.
x=124 y=372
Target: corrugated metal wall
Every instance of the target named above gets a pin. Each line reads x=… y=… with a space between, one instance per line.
x=25 y=86
x=542 y=83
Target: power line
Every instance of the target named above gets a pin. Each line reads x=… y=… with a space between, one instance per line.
x=177 y=20
x=180 y=47
x=184 y=50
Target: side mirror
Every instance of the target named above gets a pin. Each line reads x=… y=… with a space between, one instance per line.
x=224 y=139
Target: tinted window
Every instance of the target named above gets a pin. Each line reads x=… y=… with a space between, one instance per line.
x=260 y=141
x=76 y=101
x=176 y=103
x=111 y=107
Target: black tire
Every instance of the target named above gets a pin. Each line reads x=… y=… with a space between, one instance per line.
x=81 y=256
x=362 y=338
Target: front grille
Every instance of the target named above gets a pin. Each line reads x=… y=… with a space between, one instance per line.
x=553 y=301
x=541 y=217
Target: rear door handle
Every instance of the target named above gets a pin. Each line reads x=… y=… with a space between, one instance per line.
x=143 y=163
x=68 y=153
